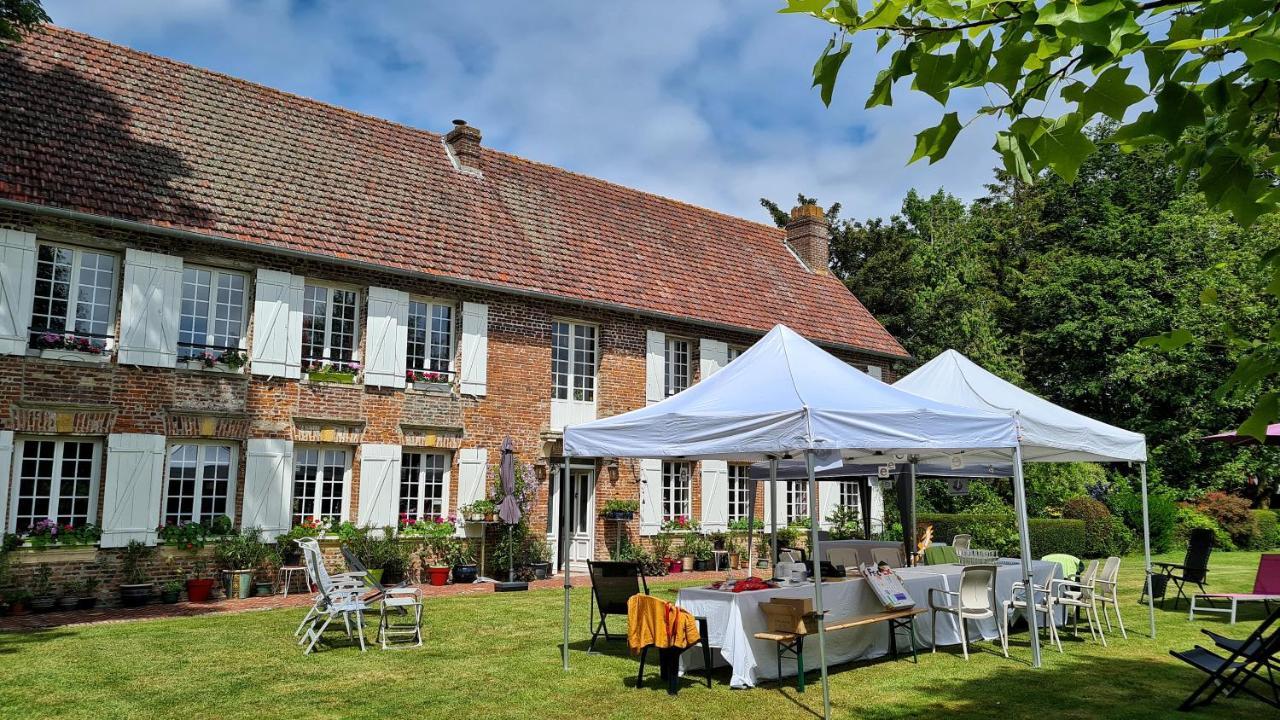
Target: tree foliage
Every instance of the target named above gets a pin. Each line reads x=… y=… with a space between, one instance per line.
x=18 y=17
x=1197 y=80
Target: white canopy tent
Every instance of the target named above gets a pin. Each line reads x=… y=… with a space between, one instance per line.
x=1046 y=432
x=785 y=397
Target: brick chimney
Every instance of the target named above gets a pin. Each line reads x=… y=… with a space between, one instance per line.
x=808 y=236
x=463 y=142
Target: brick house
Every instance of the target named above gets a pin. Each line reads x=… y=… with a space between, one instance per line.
x=218 y=298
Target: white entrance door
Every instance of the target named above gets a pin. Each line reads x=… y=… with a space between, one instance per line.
x=582 y=514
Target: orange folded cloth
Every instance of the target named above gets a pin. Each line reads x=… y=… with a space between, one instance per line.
x=655 y=622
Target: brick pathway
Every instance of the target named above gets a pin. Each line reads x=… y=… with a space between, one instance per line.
x=156 y=610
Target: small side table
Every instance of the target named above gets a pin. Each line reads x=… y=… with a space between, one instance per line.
x=619 y=529
x=286 y=577
x=484 y=537
x=717 y=555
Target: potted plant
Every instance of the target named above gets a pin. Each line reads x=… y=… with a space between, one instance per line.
x=170 y=592
x=135 y=591
x=19 y=600
x=184 y=536
x=198 y=586
x=272 y=560
x=463 y=562
x=83 y=593
x=701 y=550
x=238 y=554
x=337 y=372
x=43 y=598
x=479 y=511
x=395 y=559
x=438 y=535
x=290 y=552
x=662 y=544
x=539 y=554
x=620 y=509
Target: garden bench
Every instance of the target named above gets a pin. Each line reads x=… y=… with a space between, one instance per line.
x=793 y=643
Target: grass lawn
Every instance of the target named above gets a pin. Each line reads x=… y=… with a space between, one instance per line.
x=497 y=656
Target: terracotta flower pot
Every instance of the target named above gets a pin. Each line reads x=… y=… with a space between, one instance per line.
x=675 y=566
x=199 y=590
x=438 y=575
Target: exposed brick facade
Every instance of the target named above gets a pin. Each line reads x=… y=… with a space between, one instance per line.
x=39 y=396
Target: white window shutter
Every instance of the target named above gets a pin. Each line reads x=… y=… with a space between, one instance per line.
x=386 y=338
x=877 y=507
x=268 y=486
x=131 y=497
x=277 y=325
x=655 y=366
x=17 y=288
x=471 y=479
x=767 y=489
x=6 y=470
x=379 y=486
x=149 y=310
x=715 y=495
x=650 y=496
x=828 y=501
x=712 y=355
x=475 y=348
x=875 y=371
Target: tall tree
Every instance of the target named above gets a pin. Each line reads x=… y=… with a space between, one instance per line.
x=18 y=17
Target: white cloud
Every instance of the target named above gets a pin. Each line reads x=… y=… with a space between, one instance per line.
x=704 y=101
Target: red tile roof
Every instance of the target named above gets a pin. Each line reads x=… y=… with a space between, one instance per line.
x=98 y=128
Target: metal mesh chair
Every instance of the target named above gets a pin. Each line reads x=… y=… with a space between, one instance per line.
x=612 y=585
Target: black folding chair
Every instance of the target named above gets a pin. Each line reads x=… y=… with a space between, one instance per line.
x=355 y=566
x=1193 y=570
x=612 y=585
x=1250 y=662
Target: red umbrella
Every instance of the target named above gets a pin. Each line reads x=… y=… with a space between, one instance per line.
x=1272 y=437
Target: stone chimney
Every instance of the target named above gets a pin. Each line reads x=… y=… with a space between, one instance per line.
x=463 y=143
x=808 y=236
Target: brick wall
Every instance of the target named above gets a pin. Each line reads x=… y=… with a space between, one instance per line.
x=41 y=396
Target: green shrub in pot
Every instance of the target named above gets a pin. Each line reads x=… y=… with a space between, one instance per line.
x=238 y=554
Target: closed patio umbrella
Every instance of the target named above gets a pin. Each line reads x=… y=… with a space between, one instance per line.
x=509 y=511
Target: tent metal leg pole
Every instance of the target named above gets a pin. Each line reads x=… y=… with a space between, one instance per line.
x=1024 y=543
x=1146 y=549
x=751 y=527
x=815 y=530
x=566 y=498
x=773 y=515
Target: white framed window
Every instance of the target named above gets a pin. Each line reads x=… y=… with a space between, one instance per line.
x=431 y=340
x=424 y=484
x=321 y=476
x=213 y=311
x=733 y=352
x=797 y=500
x=200 y=482
x=676 y=491
x=677 y=366
x=574 y=359
x=56 y=479
x=849 y=494
x=75 y=293
x=739 y=492
x=330 y=316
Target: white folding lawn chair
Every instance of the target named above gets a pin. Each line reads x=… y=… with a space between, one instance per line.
x=336 y=598
x=348 y=581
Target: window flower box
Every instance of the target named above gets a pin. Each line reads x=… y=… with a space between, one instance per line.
x=69 y=346
x=346 y=373
x=227 y=361
x=428 y=381
x=27 y=555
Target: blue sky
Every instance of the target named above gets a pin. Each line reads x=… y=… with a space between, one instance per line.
x=707 y=101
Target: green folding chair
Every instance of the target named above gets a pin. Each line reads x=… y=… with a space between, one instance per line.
x=940 y=555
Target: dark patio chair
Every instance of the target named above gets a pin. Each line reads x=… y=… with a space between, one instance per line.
x=1249 y=666
x=379 y=590
x=612 y=584
x=1194 y=569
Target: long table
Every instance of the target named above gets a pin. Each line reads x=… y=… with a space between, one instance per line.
x=734 y=618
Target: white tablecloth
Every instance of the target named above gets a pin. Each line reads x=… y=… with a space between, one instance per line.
x=733 y=619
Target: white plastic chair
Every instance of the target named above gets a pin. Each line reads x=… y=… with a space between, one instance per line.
x=976 y=600
x=1018 y=601
x=1076 y=595
x=336 y=597
x=960 y=543
x=890 y=556
x=1108 y=592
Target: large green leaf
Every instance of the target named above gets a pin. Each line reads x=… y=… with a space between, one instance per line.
x=1263 y=414
x=1079 y=13
x=1109 y=94
x=882 y=90
x=1016 y=154
x=934 y=142
x=1064 y=146
x=1168 y=341
x=1176 y=110
x=883 y=15
x=828 y=66
x=804 y=6
x=933 y=75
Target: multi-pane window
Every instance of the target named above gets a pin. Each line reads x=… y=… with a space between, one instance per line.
x=212 y=312
x=677 y=366
x=734 y=352
x=74 y=292
x=573 y=361
x=329 y=316
x=849 y=494
x=199 y=483
x=739 y=492
x=424 y=484
x=55 y=480
x=430 y=336
x=676 y=501
x=320 y=483
x=797 y=500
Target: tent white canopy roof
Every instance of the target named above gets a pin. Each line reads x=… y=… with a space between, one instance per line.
x=784 y=396
x=1048 y=433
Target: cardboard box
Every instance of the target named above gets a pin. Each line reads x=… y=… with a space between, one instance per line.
x=789 y=615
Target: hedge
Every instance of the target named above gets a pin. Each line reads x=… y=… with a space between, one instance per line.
x=998 y=532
